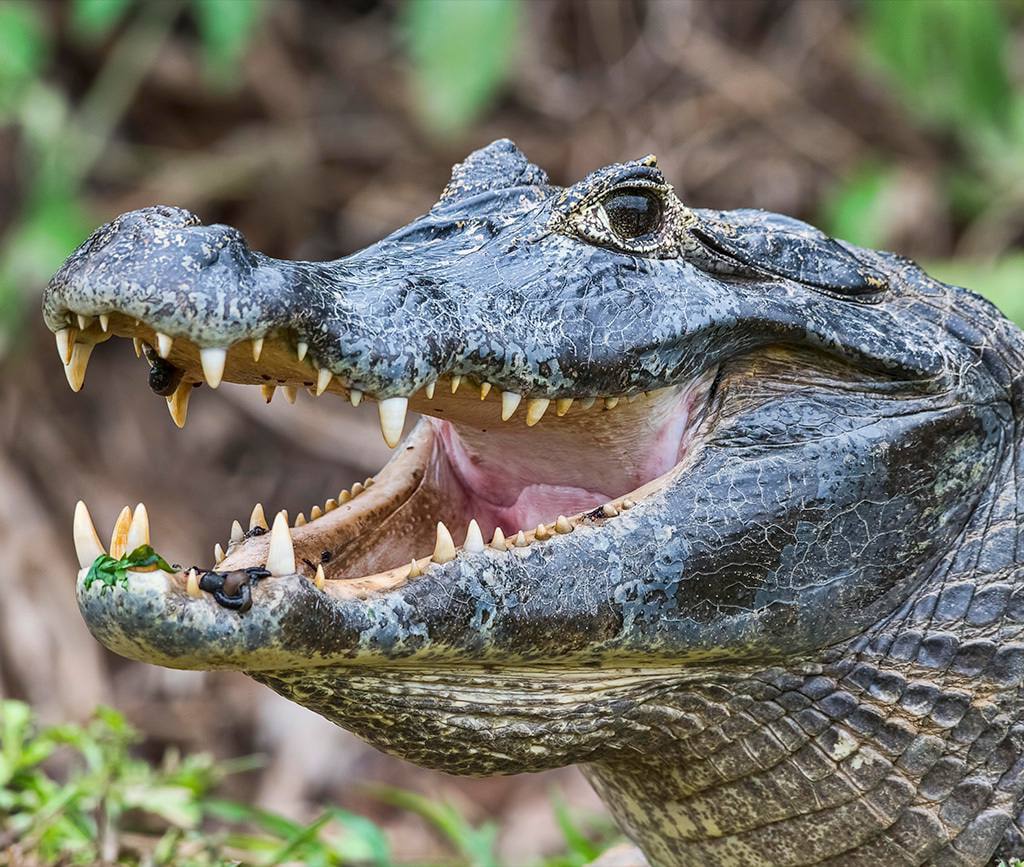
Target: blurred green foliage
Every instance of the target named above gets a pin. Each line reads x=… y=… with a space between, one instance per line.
x=461 y=53
x=112 y=807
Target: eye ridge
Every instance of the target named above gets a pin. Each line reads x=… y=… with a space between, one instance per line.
x=633 y=212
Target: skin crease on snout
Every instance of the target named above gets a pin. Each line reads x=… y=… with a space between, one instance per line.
x=721 y=509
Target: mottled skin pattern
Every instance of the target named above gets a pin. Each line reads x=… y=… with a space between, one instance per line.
x=807 y=647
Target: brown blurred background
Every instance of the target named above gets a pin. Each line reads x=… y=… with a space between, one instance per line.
x=316 y=127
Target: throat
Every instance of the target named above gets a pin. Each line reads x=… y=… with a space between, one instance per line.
x=510 y=478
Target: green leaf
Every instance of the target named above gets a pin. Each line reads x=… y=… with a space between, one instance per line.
x=854 y=211
x=461 y=54
x=112 y=573
x=225 y=27
x=22 y=49
x=93 y=19
x=949 y=58
x=1000 y=281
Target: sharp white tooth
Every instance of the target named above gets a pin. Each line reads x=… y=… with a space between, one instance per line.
x=257 y=518
x=300 y=520
x=358 y=488
x=75 y=369
x=177 y=403
x=323 y=379
x=428 y=390
x=344 y=496
x=137 y=344
x=562 y=406
x=456 y=382
x=609 y=510
x=164 y=344
x=588 y=402
x=281 y=554
x=535 y=409
x=84 y=322
x=315 y=513
x=509 y=403
x=474 y=538
x=301 y=348
x=414 y=569
x=320 y=578
x=562 y=525
x=119 y=536
x=65 y=340
x=291 y=392
x=212 y=358
x=498 y=540
x=257 y=348
x=541 y=533
x=330 y=505
x=392 y=418
x=368 y=482
x=237 y=533
x=138 y=532
x=485 y=389
x=355 y=396
x=218 y=554
x=105 y=322
x=87 y=542
x=444 y=547
x=268 y=392
x=285 y=513
x=520 y=540
x=192 y=584
x=611 y=402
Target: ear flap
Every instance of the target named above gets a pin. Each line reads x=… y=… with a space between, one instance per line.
x=767 y=243
x=498 y=166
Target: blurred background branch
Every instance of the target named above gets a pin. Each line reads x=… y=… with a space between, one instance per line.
x=317 y=127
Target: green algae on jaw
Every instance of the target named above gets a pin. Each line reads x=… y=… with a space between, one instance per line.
x=113 y=572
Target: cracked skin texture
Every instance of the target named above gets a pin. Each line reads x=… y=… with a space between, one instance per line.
x=805 y=646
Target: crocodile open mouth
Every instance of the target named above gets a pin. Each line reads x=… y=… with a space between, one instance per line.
x=485 y=469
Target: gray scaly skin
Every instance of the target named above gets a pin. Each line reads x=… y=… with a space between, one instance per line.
x=804 y=647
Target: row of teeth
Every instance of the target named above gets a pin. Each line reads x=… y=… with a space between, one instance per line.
x=131 y=529
x=75 y=355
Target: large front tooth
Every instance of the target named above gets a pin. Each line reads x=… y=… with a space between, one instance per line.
x=323 y=379
x=87 y=541
x=535 y=409
x=257 y=348
x=75 y=369
x=562 y=406
x=444 y=547
x=138 y=532
x=281 y=554
x=65 y=340
x=392 y=418
x=212 y=358
x=258 y=518
x=164 y=344
x=509 y=403
x=119 y=536
x=474 y=538
x=177 y=403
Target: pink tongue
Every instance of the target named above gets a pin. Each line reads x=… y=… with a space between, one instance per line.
x=515 y=478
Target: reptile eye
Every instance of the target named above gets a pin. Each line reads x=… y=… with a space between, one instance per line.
x=633 y=213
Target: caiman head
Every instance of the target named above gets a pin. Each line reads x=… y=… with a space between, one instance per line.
x=721 y=507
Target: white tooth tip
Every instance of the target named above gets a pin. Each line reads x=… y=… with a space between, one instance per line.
x=562 y=525
x=258 y=517
x=119 y=535
x=218 y=554
x=414 y=569
x=137 y=345
x=562 y=405
x=84 y=322
x=237 y=533
x=323 y=379
x=105 y=322
x=164 y=344
x=87 y=541
x=268 y=392
x=75 y=369
x=428 y=390
x=498 y=540
x=301 y=349
x=320 y=579
x=138 y=532
x=257 y=348
x=291 y=392
x=485 y=389
x=611 y=402
x=65 y=340
x=213 y=359
x=355 y=396
x=535 y=409
x=509 y=402
x=474 y=538
x=444 y=547
x=392 y=419
x=192 y=584
x=177 y=403
x=456 y=382
x=281 y=553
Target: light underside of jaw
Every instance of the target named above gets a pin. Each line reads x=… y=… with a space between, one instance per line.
x=486 y=470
